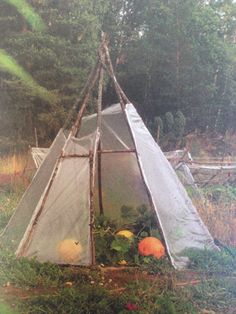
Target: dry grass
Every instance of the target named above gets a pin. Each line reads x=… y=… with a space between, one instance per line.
x=15 y=171
x=220 y=220
x=13 y=164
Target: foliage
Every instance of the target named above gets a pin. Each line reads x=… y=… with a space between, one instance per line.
x=104 y=235
x=169 y=122
x=30 y=273
x=157 y=299
x=223 y=261
x=217 y=193
x=8 y=202
x=29 y=14
x=10 y=65
x=112 y=248
x=87 y=300
x=218 y=294
x=170 y=57
x=58 y=59
x=179 y=124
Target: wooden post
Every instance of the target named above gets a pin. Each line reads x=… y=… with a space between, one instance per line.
x=91 y=224
x=92 y=167
x=99 y=127
x=100 y=181
x=36 y=137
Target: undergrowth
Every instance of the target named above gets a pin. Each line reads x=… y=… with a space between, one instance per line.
x=222 y=262
x=217 y=193
x=86 y=295
x=215 y=294
x=23 y=272
x=5 y=309
x=8 y=202
x=87 y=300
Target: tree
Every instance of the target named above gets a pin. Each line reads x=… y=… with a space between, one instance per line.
x=58 y=59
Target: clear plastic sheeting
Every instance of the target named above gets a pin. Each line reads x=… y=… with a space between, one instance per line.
x=185 y=174
x=122 y=184
x=61 y=233
x=115 y=134
x=80 y=146
x=189 y=183
x=38 y=155
x=18 y=223
x=181 y=225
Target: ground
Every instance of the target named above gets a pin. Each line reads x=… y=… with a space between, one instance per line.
x=155 y=287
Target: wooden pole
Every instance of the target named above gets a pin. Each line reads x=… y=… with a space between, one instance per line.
x=99 y=127
x=100 y=182
x=92 y=167
x=77 y=123
x=111 y=151
x=91 y=224
x=84 y=92
x=111 y=72
x=36 y=137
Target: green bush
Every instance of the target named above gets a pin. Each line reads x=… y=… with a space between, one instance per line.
x=169 y=122
x=179 y=124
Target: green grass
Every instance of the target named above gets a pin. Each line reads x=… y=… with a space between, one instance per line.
x=221 y=262
x=22 y=272
x=8 y=202
x=73 y=301
x=217 y=193
x=5 y=309
x=218 y=294
x=161 y=295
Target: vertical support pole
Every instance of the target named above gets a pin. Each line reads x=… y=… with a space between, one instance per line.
x=99 y=127
x=100 y=180
x=36 y=137
x=91 y=224
x=92 y=168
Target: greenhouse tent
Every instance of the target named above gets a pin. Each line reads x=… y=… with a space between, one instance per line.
x=110 y=157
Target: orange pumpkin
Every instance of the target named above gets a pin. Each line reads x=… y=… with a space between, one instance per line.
x=151 y=246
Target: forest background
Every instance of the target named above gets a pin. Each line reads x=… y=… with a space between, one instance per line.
x=175 y=59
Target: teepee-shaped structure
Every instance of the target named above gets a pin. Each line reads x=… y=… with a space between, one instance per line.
x=113 y=153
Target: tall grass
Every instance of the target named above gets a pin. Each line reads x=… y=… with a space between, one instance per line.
x=15 y=172
x=13 y=164
x=218 y=212
x=15 y=175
